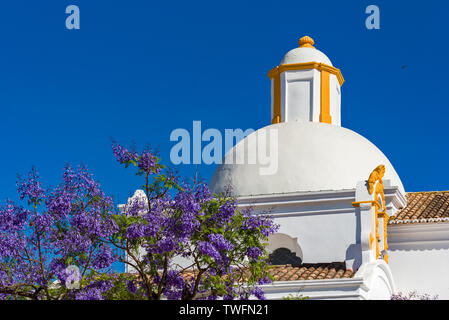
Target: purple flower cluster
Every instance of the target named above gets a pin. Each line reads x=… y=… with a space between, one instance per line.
x=94 y=291
x=254 y=252
x=30 y=188
x=131 y=286
x=174 y=285
x=148 y=163
x=76 y=225
x=209 y=249
x=258 y=293
x=220 y=243
x=413 y=295
x=122 y=154
x=264 y=223
x=62 y=226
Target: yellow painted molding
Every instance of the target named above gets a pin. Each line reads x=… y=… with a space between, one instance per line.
x=382 y=214
x=357 y=204
x=376 y=176
x=307 y=66
x=276 y=100
x=325 y=108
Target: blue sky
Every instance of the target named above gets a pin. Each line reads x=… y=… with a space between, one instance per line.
x=136 y=70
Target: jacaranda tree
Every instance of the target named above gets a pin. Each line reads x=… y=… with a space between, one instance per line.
x=54 y=236
x=184 y=243
x=177 y=240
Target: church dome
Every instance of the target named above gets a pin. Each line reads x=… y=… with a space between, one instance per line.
x=305 y=53
x=311 y=157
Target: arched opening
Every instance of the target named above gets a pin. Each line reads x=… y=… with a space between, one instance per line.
x=282 y=240
x=282 y=256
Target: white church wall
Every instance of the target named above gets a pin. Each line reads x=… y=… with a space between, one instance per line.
x=310 y=229
x=300 y=95
x=419 y=258
x=332 y=289
x=322 y=225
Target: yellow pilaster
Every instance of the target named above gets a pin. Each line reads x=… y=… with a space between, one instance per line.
x=325 y=115
x=276 y=99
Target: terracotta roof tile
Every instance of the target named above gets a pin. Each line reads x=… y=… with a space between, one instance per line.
x=335 y=270
x=316 y=271
x=424 y=207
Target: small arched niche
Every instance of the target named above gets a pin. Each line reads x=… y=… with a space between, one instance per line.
x=283 y=256
x=284 y=249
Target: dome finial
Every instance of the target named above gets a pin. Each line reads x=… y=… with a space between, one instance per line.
x=306 y=42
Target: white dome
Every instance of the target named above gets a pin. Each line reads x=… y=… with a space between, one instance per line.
x=304 y=54
x=311 y=157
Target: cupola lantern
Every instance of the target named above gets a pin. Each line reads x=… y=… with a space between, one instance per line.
x=306 y=87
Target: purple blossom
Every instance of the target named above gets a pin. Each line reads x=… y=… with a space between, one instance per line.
x=226 y=211
x=258 y=293
x=94 y=291
x=254 y=252
x=220 y=243
x=122 y=154
x=208 y=249
x=148 y=163
x=264 y=280
x=413 y=295
x=62 y=226
x=30 y=188
x=135 y=231
x=104 y=257
x=131 y=286
x=174 y=285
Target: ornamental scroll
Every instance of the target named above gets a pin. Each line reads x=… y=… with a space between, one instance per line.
x=376 y=187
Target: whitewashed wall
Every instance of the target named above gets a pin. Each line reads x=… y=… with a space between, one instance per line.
x=419 y=258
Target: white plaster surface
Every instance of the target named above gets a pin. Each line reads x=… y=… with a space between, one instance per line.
x=311 y=157
x=303 y=55
x=419 y=258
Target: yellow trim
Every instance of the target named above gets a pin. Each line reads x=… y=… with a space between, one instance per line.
x=357 y=204
x=385 y=216
x=376 y=176
x=325 y=115
x=276 y=99
x=382 y=214
x=306 y=66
